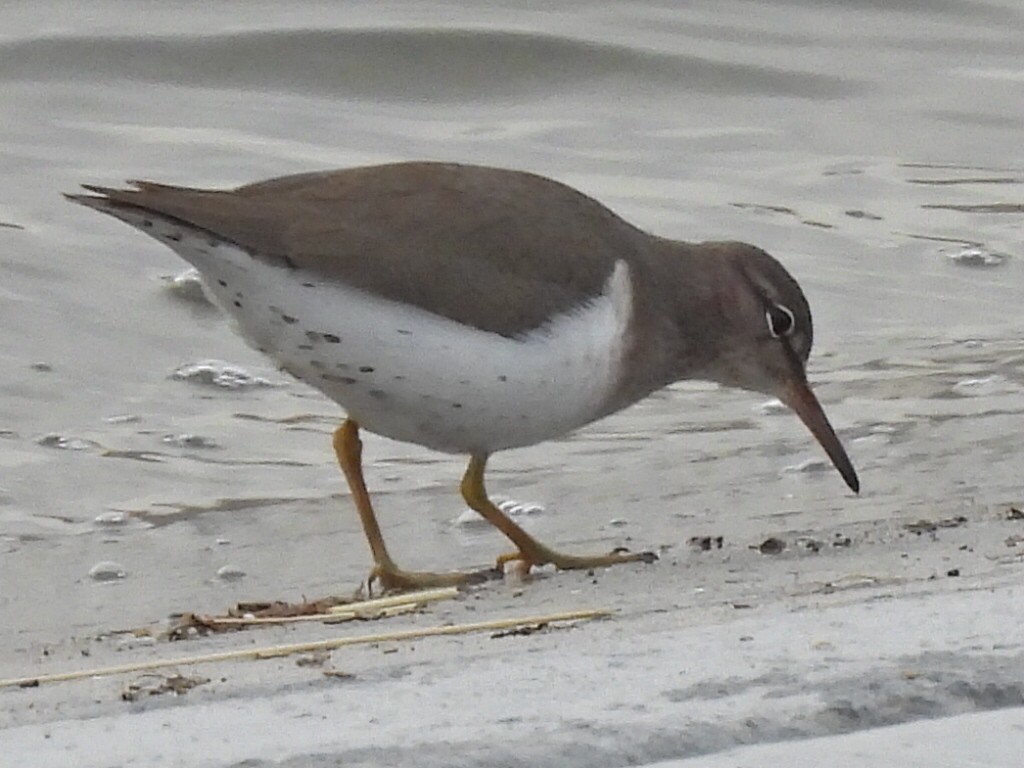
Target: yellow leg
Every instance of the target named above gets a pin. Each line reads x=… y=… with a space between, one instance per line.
x=531 y=550
x=349 y=450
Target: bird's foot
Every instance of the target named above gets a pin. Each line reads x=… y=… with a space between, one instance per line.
x=389 y=578
x=541 y=555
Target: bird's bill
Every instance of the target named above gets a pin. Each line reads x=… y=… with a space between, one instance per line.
x=798 y=396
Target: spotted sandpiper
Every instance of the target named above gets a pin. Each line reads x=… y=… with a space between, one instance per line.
x=472 y=309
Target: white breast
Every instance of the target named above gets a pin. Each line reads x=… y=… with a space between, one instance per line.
x=410 y=375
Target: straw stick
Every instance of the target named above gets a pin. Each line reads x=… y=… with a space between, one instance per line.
x=381 y=606
x=316 y=645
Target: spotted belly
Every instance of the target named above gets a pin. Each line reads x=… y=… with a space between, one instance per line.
x=411 y=375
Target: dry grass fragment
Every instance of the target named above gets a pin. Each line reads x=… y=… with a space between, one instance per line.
x=277 y=651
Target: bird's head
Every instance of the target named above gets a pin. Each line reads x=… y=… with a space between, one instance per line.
x=767 y=339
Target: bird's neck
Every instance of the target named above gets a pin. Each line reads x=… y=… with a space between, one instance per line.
x=680 y=319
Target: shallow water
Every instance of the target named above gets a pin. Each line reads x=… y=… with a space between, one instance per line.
x=868 y=146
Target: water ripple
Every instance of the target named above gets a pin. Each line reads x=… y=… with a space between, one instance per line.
x=397 y=64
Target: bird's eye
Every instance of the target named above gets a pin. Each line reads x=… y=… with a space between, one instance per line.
x=780 y=320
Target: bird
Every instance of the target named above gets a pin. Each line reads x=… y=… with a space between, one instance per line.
x=473 y=309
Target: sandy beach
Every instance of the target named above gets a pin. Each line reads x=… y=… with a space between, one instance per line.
x=801 y=670
x=151 y=464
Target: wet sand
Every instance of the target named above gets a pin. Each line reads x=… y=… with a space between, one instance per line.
x=875 y=152
x=707 y=652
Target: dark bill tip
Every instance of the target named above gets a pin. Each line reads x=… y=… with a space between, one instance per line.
x=801 y=399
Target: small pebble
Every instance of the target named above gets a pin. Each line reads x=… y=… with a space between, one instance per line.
x=230 y=573
x=810 y=543
x=187 y=440
x=771 y=408
x=976 y=257
x=107 y=570
x=808 y=466
x=771 y=546
x=514 y=508
x=510 y=507
x=516 y=570
x=54 y=440
x=705 y=543
x=188 y=286
x=126 y=418
x=217 y=373
x=110 y=518
x=469 y=518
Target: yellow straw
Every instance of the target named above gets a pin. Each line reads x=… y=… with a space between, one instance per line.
x=318 y=645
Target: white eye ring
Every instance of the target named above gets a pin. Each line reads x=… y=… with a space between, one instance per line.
x=781 y=321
